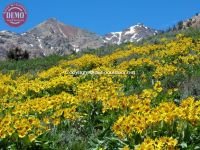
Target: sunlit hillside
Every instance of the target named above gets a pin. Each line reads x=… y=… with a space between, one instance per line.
x=137 y=96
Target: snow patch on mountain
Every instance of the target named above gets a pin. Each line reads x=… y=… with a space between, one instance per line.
x=131 y=30
x=4 y=31
x=132 y=34
x=76 y=48
x=40 y=42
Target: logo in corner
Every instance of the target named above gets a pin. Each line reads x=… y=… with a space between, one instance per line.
x=15 y=15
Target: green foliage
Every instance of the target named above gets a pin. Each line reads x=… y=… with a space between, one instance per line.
x=180 y=25
x=32 y=65
x=93 y=130
x=194 y=33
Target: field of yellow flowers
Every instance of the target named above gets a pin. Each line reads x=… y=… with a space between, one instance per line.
x=130 y=99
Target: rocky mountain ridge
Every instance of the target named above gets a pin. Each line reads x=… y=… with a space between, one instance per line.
x=54 y=37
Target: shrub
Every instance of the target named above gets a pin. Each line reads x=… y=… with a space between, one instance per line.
x=17 y=54
x=180 y=25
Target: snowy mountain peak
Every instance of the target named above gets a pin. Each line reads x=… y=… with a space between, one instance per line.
x=54 y=37
x=134 y=33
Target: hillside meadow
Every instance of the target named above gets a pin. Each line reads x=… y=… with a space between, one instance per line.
x=46 y=104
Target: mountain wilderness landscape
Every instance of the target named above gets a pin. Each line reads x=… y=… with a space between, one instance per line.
x=134 y=89
x=54 y=37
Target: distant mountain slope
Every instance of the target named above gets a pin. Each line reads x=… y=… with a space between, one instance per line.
x=50 y=37
x=193 y=22
x=54 y=37
x=132 y=34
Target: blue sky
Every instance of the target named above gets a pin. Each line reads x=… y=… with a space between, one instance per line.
x=103 y=16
